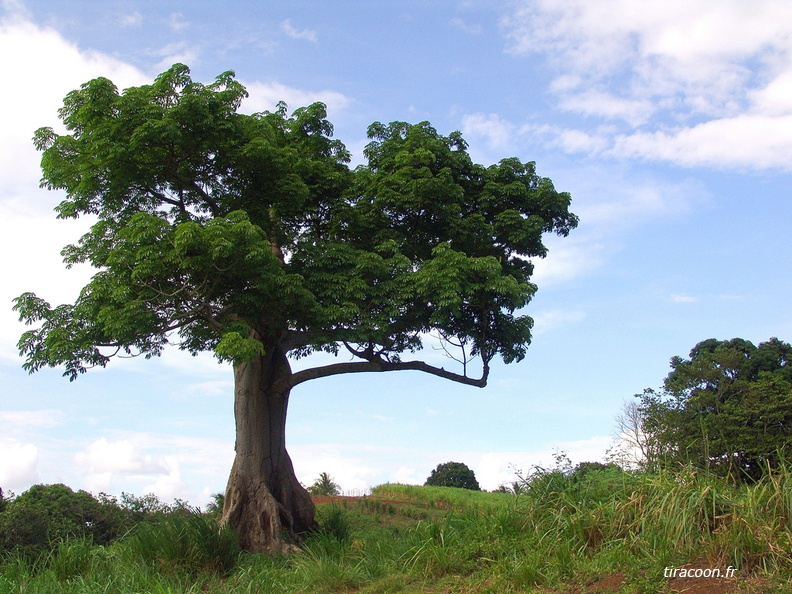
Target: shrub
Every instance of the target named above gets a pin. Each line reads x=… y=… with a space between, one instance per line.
x=46 y=514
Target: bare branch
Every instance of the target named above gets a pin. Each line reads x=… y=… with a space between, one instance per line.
x=380 y=366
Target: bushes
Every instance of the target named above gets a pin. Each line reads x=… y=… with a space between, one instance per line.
x=46 y=514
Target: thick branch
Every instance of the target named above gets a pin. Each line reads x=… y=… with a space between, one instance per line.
x=380 y=365
x=293 y=339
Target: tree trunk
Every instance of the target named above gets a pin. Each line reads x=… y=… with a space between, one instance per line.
x=264 y=501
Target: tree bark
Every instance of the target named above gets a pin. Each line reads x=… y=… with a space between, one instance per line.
x=264 y=501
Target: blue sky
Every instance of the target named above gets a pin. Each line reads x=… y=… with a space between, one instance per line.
x=670 y=123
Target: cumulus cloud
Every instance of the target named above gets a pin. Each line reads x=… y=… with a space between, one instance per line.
x=168 y=485
x=497 y=132
x=497 y=468
x=264 y=96
x=50 y=67
x=354 y=471
x=743 y=141
x=18 y=464
x=155 y=463
x=571 y=258
x=705 y=83
x=347 y=466
x=59 y=66
x=117 y=457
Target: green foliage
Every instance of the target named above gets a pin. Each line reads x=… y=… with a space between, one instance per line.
x=46 y=514
x=563 y=533
x=726 y=409
x=214 y=508
x=196 y=206
x=37 y=522
x=453 y=474
x=324 y=486
x=185 y=541
x=333 y=521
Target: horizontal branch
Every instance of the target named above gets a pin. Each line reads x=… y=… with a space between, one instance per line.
x=380 y=366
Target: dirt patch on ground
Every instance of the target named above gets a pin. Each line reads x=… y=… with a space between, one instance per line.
x=699 y=583
x=610 y=583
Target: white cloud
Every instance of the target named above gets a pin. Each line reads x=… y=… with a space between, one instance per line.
x=571 y=258
x=18 y=464
x=708 y=83
x=155 y=463
x=177 y=22
x=497 y=132
x=30 y=235
x=465 y=27
x=357 y=471
x=134 y=19
x=116 y=457
x=606 y=202
x=44 y=419
x=211 y=388
x=179 y=52
x=578 y=141
x=682 y=298
x=345 y=465
x=744 y=141
x=264 y=96
x=169 y=485
x=592 y=102
x=775 y=98
x=548 y=320
x=493 y=469
x=59 y=67
x=294 y=33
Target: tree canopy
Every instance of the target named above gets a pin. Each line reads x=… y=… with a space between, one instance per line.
x=453 y=474
x=204 y=215
x=726 y=408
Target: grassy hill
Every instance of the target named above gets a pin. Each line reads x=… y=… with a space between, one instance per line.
x=602 y=531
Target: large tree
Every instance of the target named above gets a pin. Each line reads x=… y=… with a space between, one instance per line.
x=249 y=236
x=727 y=408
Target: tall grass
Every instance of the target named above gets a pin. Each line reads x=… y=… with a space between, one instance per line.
x=185 y=541
x=561 y=532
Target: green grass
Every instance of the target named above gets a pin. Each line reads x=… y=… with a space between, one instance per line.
x=560 y=535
